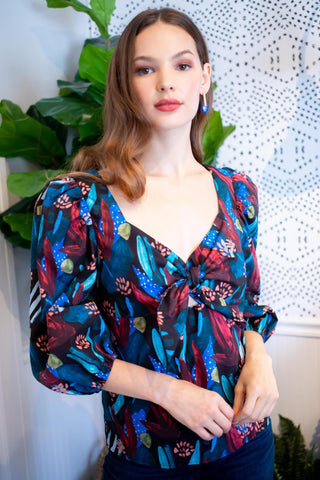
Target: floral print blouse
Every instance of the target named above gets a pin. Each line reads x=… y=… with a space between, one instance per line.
x=102 y=289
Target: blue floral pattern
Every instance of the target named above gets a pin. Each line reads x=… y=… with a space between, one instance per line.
x=102 y=289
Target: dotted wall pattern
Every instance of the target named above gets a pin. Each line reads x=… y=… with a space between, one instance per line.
x=266 y=62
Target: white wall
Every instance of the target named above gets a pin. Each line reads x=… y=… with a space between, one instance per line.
x=47 y=435
x=42 y=434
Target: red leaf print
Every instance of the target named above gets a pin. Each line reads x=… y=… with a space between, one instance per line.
x=75 y=242
x=78 y=295
x=43 y=280
x=234 y=439
x=130 y=441
x=71 y=250
x=142 y=297
x=201 y=371
x=185 y=374
x=107 y=228
x=59 y=331
x=164 y=425
x=131 y=433
x=48 y=379
x=124 y=331
x=225 y=349
x=119 y=428
x=50 y=264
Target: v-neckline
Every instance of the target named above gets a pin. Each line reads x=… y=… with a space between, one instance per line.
x=165 y=247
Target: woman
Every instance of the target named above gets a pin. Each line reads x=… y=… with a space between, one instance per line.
x=144 y=275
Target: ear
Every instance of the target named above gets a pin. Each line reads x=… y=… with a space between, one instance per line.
x=206 y=78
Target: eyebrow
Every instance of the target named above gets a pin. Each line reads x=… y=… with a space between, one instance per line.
x=150 y=59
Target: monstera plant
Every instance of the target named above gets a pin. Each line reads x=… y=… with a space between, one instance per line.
x=50 y=132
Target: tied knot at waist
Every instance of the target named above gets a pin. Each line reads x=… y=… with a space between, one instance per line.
x=189 y=291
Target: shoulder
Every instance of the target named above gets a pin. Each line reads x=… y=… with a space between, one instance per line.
x=244 y=192
x=241 y=181
x=62 y=192
x=240 y=184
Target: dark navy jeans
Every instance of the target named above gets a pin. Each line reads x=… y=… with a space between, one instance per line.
x=253 y=461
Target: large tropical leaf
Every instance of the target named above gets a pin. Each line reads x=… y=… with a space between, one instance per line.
x=10 y=111
x=213 y=137
x=94 y=64
x=28 y=184
x=29 y=139
x=21 y=223
x=93 y=128
x=80 y=7
x=24 y=207
x=103 y=10
x=70 y=110
x=62 y=131
x=77 y=86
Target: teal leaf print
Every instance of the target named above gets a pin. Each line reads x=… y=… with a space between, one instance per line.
x=169 y=456
x=227 y=388
x=92 y=197
x=118 y=404
x=143 y=256
x=213 y=443
x=195 y=459
x=163 y=458
x=158 y=346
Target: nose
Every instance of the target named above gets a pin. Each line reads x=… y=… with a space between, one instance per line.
x=165 y=81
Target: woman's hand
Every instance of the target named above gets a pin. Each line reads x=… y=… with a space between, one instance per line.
x=203 y=411
x=256 y=392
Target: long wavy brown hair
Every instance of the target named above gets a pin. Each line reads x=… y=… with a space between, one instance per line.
x=126 y=130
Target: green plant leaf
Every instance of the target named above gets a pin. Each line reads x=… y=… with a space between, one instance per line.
x=79 y=7
x=94 y=64
x=28 y=184
x=97 y=95
x=290 y=452
x=13 y=237
x=29 y=139
x=93 y=128
x=62 y=131
x=71 y=111
x=10 y=110
x=23 y=206
x=80 y=87
x=21 y=223
x=213 y=137
x=103 y=10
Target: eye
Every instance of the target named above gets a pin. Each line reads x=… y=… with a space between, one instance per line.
x=184 y=67
x=141 y=71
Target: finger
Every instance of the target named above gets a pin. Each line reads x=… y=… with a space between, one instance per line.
x=260 y=410
x=238 y=401
x=244 y=415
x=214 y=428
x=204 y=433
x=226 y=410
x=223 y=422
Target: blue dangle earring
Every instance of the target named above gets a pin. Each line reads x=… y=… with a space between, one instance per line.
x=204 y=107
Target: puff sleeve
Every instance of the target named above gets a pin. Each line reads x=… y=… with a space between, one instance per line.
x=70 y=346
x=259 y=318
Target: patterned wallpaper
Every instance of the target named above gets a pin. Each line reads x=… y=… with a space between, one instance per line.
x=266 y=62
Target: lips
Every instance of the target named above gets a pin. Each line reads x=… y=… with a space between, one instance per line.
x=168 y=104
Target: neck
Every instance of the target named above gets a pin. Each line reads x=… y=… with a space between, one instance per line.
x=168 y=154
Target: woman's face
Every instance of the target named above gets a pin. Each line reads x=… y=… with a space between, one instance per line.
x=168 y=76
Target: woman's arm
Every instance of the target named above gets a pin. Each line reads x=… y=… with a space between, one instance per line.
x=203 y=411
x=256 y=392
